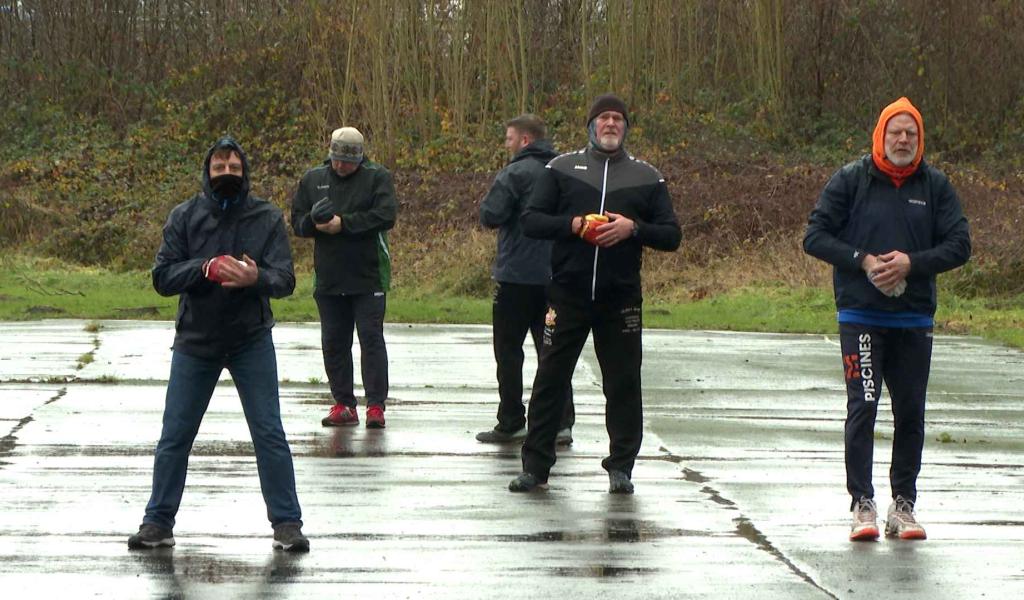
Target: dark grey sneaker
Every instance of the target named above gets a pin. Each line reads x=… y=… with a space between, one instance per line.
x=151 y=536
x=526 y=482
x=564 y=437
x=619 y=483
x=497 y=436
x=288 y=537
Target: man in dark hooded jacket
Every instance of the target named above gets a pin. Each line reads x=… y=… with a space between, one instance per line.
x=888 y=223
x=522 y=269
x=225 y=253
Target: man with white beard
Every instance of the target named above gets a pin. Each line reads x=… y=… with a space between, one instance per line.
x=888 y=223
x=601 y=206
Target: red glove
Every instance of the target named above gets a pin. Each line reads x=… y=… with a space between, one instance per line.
x=212 y=267
x=588 y=227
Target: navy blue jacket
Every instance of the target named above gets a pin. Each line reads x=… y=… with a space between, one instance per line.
x=861 y=212
x=212 y=320
x=519 y=259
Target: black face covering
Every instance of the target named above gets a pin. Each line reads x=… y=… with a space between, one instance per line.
x=226 y=187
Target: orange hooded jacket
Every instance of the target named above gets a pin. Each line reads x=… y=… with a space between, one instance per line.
x=897 y=174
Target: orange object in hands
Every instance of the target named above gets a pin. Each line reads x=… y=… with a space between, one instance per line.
x=588 y=229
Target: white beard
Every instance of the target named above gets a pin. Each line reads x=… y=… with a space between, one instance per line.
x=900 y=160
x=610 y=142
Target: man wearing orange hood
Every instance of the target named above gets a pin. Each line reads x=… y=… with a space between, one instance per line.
x=888 y=223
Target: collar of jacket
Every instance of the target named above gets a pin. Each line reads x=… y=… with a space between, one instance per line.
x=877 y=173
x=213 y=205
x=542 y=149
x=614 y=156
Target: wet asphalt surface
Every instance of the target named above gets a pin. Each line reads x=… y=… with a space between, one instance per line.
x=739 y=486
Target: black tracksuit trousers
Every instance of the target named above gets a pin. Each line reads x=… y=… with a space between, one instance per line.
x=902 y=359
x=617 y=331
x=519 y=309
x=339 y=315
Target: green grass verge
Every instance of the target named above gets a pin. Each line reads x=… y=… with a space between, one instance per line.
x=33 y=288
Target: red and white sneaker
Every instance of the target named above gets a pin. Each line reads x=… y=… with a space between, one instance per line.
x=375 y=417
x=865 y=525
x=901 y=523
x=341 y=415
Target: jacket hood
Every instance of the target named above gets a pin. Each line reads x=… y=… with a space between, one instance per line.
x=226 y=143
x=897 y=174
x=542 y=149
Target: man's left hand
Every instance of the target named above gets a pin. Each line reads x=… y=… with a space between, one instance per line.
x=240 y=274
x=619 y=228
x=894 y=268
x=331 y=227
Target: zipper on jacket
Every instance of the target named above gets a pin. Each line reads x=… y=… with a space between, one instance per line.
x=604 y=187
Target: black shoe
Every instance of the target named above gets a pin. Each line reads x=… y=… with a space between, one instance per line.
x=619 y=483
x=288 y=537
x=151 y=536
x=526 y=482
x=497 y=436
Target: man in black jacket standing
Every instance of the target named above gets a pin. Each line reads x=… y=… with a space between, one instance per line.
x=522 y=268
x=601 y=206
x=888 y=224
x=225 y=253
x=347 y=205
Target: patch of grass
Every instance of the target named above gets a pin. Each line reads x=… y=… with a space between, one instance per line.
x=771 y=308
x=92 y=327
x=74 y=291
x=92 y=293
x=314 y=381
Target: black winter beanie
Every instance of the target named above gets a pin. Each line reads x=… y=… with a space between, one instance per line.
x=607 y=102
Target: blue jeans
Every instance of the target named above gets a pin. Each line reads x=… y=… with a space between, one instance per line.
x=191 y=385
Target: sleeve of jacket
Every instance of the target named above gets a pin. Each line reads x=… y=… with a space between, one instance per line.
x=827 y=220
x=277 y=274
x=302 y=202
x=951 y=233
x=174 y=271
x=383 y=209
x=540 y=218
x=501 y=203
x=660 y=229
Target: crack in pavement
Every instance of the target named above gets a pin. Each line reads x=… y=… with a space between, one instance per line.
x=745 y=528
x=9 y=441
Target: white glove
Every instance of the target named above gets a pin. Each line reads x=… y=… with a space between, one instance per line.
x=895 y=291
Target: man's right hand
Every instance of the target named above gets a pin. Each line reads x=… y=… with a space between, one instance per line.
x=331 y=227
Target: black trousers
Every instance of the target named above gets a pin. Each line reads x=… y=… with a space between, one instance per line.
x=519 y=309
x=618 y=341
x=339 y=314
x=902 y=359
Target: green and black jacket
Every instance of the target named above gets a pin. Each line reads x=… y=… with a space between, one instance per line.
x=357 y=260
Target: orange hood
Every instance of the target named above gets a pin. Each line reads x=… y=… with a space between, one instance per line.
x=897 y=174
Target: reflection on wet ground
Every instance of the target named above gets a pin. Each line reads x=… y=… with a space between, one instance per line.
x=739 y=482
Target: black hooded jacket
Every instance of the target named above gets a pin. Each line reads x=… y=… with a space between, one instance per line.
x=861 y=212
x=520 y=259
x=212 y=320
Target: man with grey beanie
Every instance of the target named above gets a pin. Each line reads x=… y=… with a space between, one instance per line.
x=601 y=206
x=347 y=205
